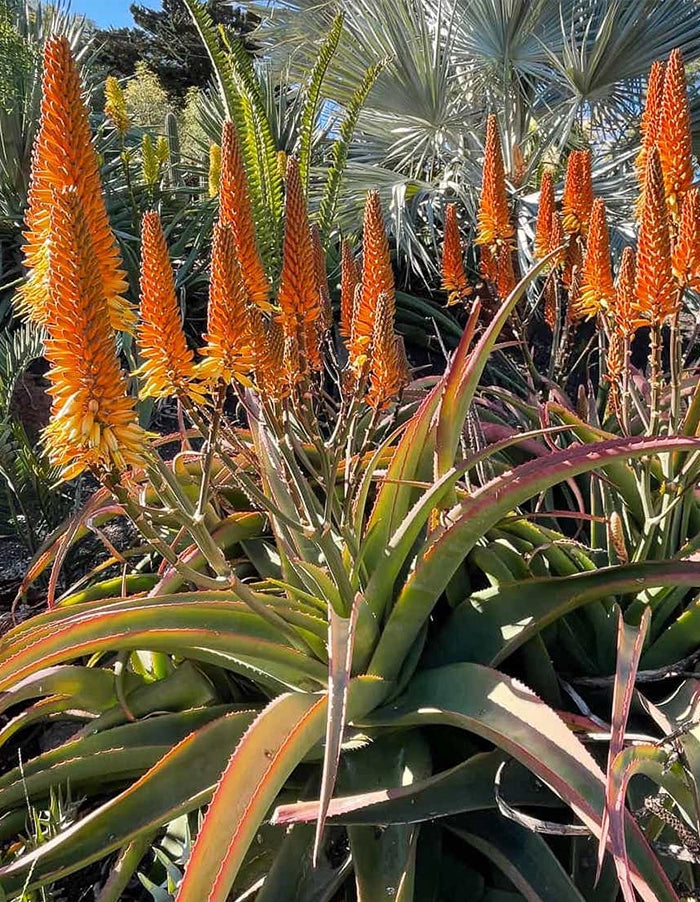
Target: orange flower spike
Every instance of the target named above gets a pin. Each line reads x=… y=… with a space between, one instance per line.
x=454 y=278
x=493 y=219
x=545 y=212
x=229 y=351
x=505 y=279
x=168 y=367
x=686 y=253
x=235 y=211
x=349 y=280
x=64 y=156
x=674 y=138
x=388 y=366
x=627 y=319
x=377 y=278
x=655 y=289
x=299 y=299
x=557 y=239
x=651 y=117
x=322 y=278
x=578 y=193
x=597 y=288
x=93 y=420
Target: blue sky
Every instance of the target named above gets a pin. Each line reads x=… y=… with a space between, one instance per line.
x=108 y=13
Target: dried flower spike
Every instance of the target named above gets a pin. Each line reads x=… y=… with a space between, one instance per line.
x=168 y=367
x=64 y=157
x=454 y=278
x=545 y=212
x=299 y=299
x=93 y=420
x=235 y=211
x=597 y=288
x=115 y=106
x=655 y=289
x=674 y=139
x=578 y=193
x=493 y=219
x=229 y=351
x=686 y=253
x=377 y=279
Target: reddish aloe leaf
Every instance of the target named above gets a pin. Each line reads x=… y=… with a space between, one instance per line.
x=630 y=641
x=341 y=636
x=481 y=512
x=269 y=751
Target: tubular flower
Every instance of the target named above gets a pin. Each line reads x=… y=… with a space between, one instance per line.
x=377 y=278
x=299 y=298
x=626 y=313
x=651 y=116
x=597 y=288
x=387 y=374
x=93 y=421
x=674 y=140
x=686 y=253
x=229 y=349
x=545 y=213
x=578 y=193
x=322 y=279
x=214 y=179
x=493 y=219
x=115 y=106
x=168 y=367
x=557 y=240
x=63 y=156
x=235 y=211
x=349 y=280
x=454 y=278
x=656 y=292
x=505 y=278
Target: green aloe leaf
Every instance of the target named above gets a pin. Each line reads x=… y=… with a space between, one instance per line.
x=491 y=624
x=182 y=780
x=505 y=712
x=480 y=512
x=524 y=857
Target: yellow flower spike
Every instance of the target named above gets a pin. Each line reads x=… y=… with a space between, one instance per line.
x=214 y=170
x=150 y=165
x=674 y=138
x=162 y=150
x=235 y=211
x=93 y=420
x=168 y=367
x=63 y=157
x=454 y=278
x=115 y=106
x=377 y=278
x=597 y=288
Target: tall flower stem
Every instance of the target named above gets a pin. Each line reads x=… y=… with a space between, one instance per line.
x=655 y=377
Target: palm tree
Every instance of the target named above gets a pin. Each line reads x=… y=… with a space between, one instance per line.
x=559 y=73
